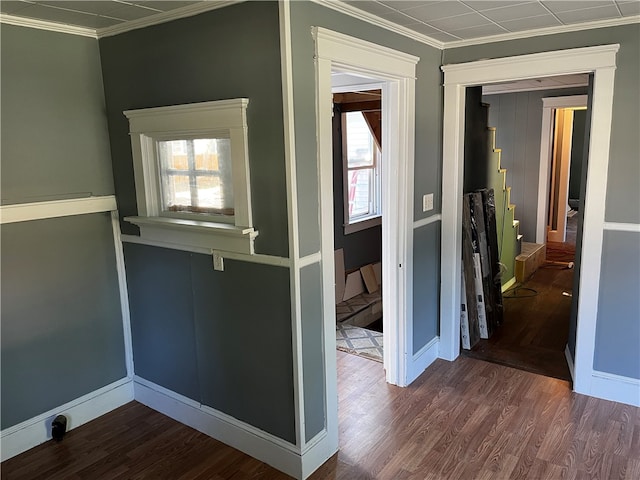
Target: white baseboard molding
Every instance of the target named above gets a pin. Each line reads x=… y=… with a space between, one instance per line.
x=616 y=388
x=37 y=430
x=567 y=355
x=231 y=431
x=317 y=451
x=421 y=360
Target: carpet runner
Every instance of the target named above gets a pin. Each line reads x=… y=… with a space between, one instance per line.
x=359 y=341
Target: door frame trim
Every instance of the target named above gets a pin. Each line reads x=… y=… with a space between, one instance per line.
x=601 y=61
x=549 y=105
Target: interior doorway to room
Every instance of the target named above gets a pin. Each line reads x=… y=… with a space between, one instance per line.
x=532 y=328
x=358 y=215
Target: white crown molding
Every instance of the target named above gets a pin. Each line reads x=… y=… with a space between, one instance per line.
x=49 y=26
x=613 y=22
x=182 y=12
x=337 y=5
x=355 y=12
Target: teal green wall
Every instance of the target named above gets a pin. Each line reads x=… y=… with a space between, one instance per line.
x=227 y=53
x=220 y=338
x=61 y=334
x=623 y=196
x=428 y=144
x=55 y=142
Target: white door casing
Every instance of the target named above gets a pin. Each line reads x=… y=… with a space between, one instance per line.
x=600 y=60
x=396 y=72
x=546 y=142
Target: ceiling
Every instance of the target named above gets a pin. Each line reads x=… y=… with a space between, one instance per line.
x=441 y=22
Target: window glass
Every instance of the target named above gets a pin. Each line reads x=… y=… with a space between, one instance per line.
x=196 y=176
x=362 y=154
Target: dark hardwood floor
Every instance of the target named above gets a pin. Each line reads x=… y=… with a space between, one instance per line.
x=460 y=420
x=535 y=330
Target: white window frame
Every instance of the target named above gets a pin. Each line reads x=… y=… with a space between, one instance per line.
x=223 y=118
x=376 y=218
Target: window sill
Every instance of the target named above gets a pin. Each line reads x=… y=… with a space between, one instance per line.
x=363 y=224
x=198 y=234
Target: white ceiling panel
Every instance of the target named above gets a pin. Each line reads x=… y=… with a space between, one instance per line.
x=97 y=8
x=398 y=18
x=531 y=23
x=162 y=5
x=589 y=14
x=60 y=15
x=482 y=5
x=435 y=11
x=132 y=12
x=515 y=12
x=459 y=22
x=376 y=8
x=479 y=31
x=557 y=6
x=629 y=8
x=11 y=7
x=407 y=4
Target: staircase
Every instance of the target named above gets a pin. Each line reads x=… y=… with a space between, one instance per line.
x=508 y=228
x=483 y=169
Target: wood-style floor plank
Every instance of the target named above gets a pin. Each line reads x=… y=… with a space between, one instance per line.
x=460 y=420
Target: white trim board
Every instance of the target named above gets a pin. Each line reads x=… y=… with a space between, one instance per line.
x=286 y=66
x=422 y=359
x=622 y=227
x=423 y=222
x=395 y=70
x=123 y=292
x=546 y=146
x=37 y=430
x=255 y=258
x=231 y=431
x=48 y=26
x=600 y=60
x=24 y=212
x=615 y=387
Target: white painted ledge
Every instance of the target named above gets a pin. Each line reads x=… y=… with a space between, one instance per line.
x=24 y=212
x=192 y=234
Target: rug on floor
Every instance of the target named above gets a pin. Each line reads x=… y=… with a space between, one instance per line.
x=359 y=341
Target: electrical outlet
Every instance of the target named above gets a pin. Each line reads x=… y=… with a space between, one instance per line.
x=218 y=261
x=427 y=202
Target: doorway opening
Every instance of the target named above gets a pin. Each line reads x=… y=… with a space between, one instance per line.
x=597 y=60
x=394 y=71
x=358 y=215
x=528 y=325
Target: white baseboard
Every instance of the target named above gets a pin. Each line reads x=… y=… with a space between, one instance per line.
x=567 y=355
x=231 y=431
x=616 y=388
x=37 y=430
x=421 y=360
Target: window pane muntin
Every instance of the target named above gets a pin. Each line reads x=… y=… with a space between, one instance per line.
x=208 y=167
